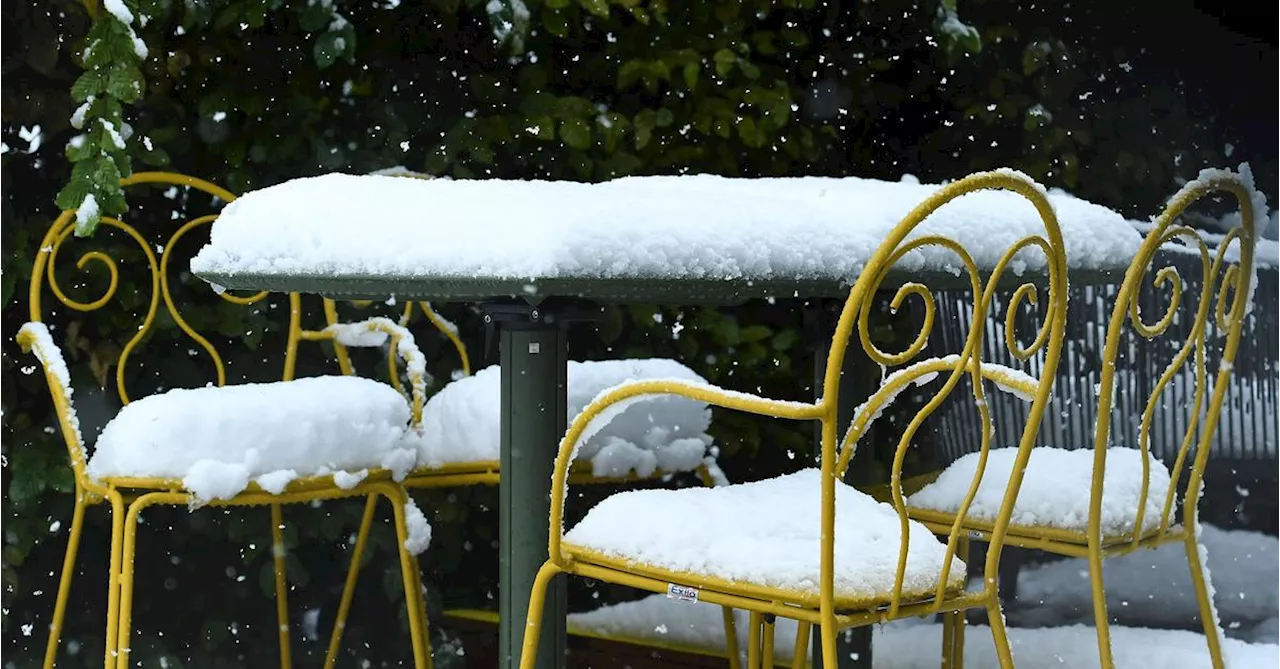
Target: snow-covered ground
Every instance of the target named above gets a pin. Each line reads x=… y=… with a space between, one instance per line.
x=1152 y=588
x=913 y=644
x=1146 y=590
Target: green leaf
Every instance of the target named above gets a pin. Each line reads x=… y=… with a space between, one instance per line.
x=576 y=133
x=124 y=83
x=619 y=165
x=644 y=124
x=611 y=126
x=572 y=107
x=313 y=16
x=328 y=48
x=629 y=73
x=785 y=339
x=753 y=333
x=598 y=7
x=725 y=60
x=91 y=83
x=691 y=72
x=749 y=133
x=556 y=23
x=82 y=146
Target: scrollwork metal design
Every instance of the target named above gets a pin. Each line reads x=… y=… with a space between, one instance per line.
x=1047 y=339
x=46 y=264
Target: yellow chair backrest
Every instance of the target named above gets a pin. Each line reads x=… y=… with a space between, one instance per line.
x=837 y=453
x=157 y=277
x=156 y=290
x=1225 y=291
x=1048 y=340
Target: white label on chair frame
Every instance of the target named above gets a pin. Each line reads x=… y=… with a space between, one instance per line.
x=682 y=593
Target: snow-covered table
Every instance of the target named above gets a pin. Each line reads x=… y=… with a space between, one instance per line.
x=526 y=247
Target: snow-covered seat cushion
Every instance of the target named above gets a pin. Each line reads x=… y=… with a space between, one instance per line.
x=766 y=534
x=1055 y=489
x=218 y=439
x=462 y=422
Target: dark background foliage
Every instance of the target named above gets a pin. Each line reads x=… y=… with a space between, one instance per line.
x=1114 y=101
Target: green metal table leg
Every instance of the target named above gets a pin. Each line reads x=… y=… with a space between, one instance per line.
x=534 y=406
x=854 y=646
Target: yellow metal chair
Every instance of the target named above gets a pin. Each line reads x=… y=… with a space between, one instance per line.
x=128 y=496
x=836 y=572
x=1117 y=473
x=479 y=472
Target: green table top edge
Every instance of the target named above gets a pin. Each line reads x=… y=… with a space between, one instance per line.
x=605 y=290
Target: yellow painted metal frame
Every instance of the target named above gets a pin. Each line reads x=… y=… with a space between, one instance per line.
x=129 y=496
x=1151 y=533
x=823 y=608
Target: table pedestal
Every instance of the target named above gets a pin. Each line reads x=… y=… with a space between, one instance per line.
x=534 y=395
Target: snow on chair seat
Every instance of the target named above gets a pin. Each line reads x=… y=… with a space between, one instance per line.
x=1055 y=490
x=765 y=534
x=216 y=440
x=462 y=422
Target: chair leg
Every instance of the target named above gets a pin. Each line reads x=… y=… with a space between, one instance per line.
x=413 y=596
x=64 y=584
x=953 y=626
x=830 y=656
x=533 y=621
x=348 y=590
x=113 y=578
x=948 y=639
x=1199 y=578
x=755 y=621
x=1101 y=618
x=800 y=659
x=128 y=549
x=766 y=644
x=731 y=637
x=954 y=622
x=995 y=617
x=282 y=584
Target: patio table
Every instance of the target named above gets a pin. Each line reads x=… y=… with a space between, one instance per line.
x=533 y=254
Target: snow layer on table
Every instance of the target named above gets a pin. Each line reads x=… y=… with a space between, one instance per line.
x=1153 y=587
x=913 y=644
x=677 y=227
x=50 y=357
x=462 y=422
x=216 y=440
x=1055 y=488
x=766 y=533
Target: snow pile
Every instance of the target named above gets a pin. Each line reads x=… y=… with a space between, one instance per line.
x=462 y=423
x=912 y=644
x=419 y=529
x=1055 y=488
x=1153 y=587
x=766 y=533
x=373 y=332
x=218 y=439
x=671 y=227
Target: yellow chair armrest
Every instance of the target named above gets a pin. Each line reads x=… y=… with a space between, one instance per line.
x=34 y=338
